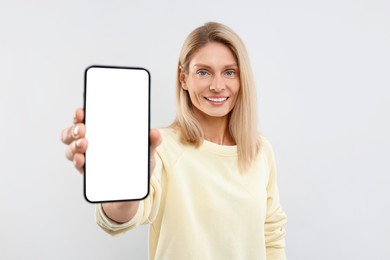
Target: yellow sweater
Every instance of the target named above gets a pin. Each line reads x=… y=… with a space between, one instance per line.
x=200 y=207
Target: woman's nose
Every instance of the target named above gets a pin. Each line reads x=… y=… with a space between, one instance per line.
x=217 y=84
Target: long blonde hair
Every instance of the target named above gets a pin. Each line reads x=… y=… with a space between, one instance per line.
x=243 y=118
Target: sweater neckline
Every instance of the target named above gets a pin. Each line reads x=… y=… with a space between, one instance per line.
x=227 y=150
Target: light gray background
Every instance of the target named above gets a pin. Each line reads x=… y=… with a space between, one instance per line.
x=322 y=72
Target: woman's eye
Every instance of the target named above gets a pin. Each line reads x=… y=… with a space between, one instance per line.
x=202 y=73
x=230 y=73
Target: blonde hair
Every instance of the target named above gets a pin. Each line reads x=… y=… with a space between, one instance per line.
x=242 y=119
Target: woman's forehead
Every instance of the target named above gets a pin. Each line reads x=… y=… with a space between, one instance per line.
x=213 y=55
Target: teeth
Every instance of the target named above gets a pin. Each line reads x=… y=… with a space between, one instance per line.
x=216 y=99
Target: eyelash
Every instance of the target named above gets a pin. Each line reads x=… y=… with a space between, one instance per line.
x=202 y=71
x=230 y=71
x=206 y=73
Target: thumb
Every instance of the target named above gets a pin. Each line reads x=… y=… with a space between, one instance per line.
x=155 y=139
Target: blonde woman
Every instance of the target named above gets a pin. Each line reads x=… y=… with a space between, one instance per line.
x=213 y=191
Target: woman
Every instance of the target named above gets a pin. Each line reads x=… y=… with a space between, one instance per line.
x=213 y=191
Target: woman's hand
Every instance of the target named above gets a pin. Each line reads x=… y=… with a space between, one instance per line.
x=74 y=137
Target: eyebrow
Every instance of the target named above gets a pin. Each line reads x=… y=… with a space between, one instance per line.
x=233 y=65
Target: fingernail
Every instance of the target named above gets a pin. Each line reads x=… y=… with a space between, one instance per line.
x=76 y=131
x=79 y=142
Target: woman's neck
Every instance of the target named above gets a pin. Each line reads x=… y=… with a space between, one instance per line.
x=215 y=129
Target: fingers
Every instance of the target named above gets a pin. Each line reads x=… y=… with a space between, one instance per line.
x=76 y=147
x=74 y=137
x=78 y=161
x=75 y=153
x=76 y=131
x=73 y=133
x=78 y=116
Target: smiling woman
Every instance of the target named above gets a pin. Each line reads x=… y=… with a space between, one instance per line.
x=213 y=192
x=233 y=57
x=213 y=85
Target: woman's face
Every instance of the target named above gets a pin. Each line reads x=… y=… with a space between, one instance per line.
x=213 y=80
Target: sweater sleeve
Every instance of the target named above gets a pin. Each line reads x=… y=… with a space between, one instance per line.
x=147 y=210
x=276 y=218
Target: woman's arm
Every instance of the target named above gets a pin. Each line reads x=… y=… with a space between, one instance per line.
x=276 y=217
x=74 y=137
x=120 y=212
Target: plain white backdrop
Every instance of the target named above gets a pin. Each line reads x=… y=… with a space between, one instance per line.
x=322 y=74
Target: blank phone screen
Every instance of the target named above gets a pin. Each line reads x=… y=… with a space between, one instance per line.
x=116 y=103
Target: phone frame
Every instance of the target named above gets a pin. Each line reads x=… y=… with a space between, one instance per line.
x=85 y=120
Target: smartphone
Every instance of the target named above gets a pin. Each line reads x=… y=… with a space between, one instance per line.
x=117 y=120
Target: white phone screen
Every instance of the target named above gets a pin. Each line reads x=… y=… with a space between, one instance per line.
x=116 y=103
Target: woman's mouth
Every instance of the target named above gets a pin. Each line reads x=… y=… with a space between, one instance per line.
x=216 y=99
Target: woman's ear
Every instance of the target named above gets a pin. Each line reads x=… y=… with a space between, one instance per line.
x=182 y=78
